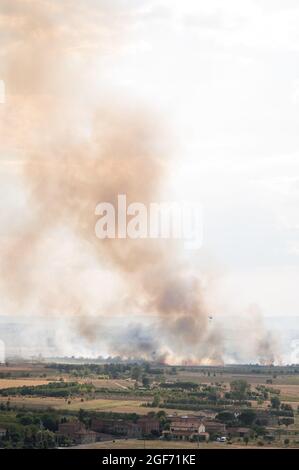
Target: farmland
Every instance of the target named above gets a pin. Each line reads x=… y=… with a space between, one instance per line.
x=263 y=400
x=11 y=383
x=122 y=406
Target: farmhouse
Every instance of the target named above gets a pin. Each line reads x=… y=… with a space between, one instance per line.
x=215 y=427
x=86 y=436
x=77 y=432
x=186 y=428
x=116 y=426
x=126 y=428
x=142 y=427
x=149 y=425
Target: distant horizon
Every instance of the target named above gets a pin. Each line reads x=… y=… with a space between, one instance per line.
x=116 y=359
x=28 y=336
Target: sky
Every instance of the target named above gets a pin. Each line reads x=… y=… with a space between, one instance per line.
x=222 y=78
x=225 y=77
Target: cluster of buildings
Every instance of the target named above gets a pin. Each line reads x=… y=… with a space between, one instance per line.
x=79 y=434
x=200 y=428
x=144 y=426
x=193 y=427
x=188 y=427
x=206 y=427
x=185 y=428
x=76 y=432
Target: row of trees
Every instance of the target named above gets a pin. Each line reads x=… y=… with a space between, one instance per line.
x=52 y=389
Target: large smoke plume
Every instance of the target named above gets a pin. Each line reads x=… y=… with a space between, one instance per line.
x=73 y=144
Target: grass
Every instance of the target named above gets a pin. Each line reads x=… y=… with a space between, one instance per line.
x=141 y=444
x=288 y=392
x=253 y=379
x=7 y=417
x=100 y=404
x=97 y=404
x=162 y=444
x=119 y=384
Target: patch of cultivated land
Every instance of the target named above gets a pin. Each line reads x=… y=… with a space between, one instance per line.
x=35 y=402
x=102 y=404
x=98 y=404
x=119 y=384
x=253 y=379
x=29 y=382
x=288 y=392
x=199 y=378
x=27 y=371
x=24 y=368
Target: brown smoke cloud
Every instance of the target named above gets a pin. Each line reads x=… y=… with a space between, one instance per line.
x=264 y=343
x=69 y=166
x=74 y=147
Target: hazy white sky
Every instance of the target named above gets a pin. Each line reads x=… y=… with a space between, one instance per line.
x=224 y=77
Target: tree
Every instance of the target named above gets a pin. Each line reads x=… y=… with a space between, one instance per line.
x=275 y=402
x=30 y=437
x=162 y=416
x=45 y=439
x=286 y=407
x=136 y=373
x=15 y=434
x=26 y=420
x=247 y=417
x=287 y=421
x=145 y=381
x=240 y=389
x=156 y=400
x=49 y=422
x=82 y=415
x=225 y=417
x=259 y=430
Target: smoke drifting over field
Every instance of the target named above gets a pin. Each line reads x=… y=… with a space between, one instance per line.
x=72 y=145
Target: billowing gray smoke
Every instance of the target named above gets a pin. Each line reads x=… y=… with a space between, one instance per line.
x=72 y=145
